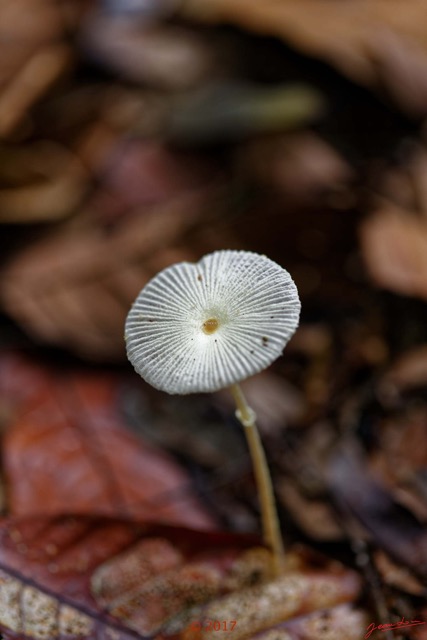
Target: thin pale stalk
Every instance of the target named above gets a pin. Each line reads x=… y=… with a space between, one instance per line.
x=270 y=521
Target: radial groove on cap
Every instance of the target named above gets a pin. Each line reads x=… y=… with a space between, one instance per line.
x=254 y=301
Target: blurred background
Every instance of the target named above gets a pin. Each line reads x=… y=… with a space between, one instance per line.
x=139 y=133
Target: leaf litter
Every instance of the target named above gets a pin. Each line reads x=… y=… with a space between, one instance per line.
x=88 y=155
x=94 y=577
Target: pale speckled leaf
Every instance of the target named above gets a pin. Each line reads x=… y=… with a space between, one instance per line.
x=99 y=578
x=31 y=611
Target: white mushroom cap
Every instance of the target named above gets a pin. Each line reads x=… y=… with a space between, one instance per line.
x=201 y=327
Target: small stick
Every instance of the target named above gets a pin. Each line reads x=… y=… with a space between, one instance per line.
x=270 y=521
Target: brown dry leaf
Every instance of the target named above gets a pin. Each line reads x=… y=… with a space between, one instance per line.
x=410 y=370
x=74 y=288
x=394 y=247
x=98 y=578
x=33 y=56
x=398 y=576
x=315 y=517
x=402 y=446
x=300 y=166
x=78 y=455
x=381 y=42
x=394 y=528
x=399 y=456
x=51 y=183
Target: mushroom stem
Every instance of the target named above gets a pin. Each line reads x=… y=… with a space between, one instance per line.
x=270 y=520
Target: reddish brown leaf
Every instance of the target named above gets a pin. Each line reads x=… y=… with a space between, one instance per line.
x=100 y=578
x=78 y=454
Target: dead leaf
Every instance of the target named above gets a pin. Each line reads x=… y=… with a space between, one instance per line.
x=409 y=370
x=74 y=287
x=401 y=453
x=394 y=247
x=398 y=576
x=134 y=174
x=375 y=42
x=79 y=456
x=165 y=56
x=392 y=527
x=34 y=56
x=302 y=168
x=93 y=577
x=315 y=517
x=43 y=69
x=56 y=183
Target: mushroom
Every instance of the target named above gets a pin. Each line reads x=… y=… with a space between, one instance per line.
x=206 y=326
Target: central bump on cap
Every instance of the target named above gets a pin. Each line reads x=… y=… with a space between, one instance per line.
x=210 y=326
